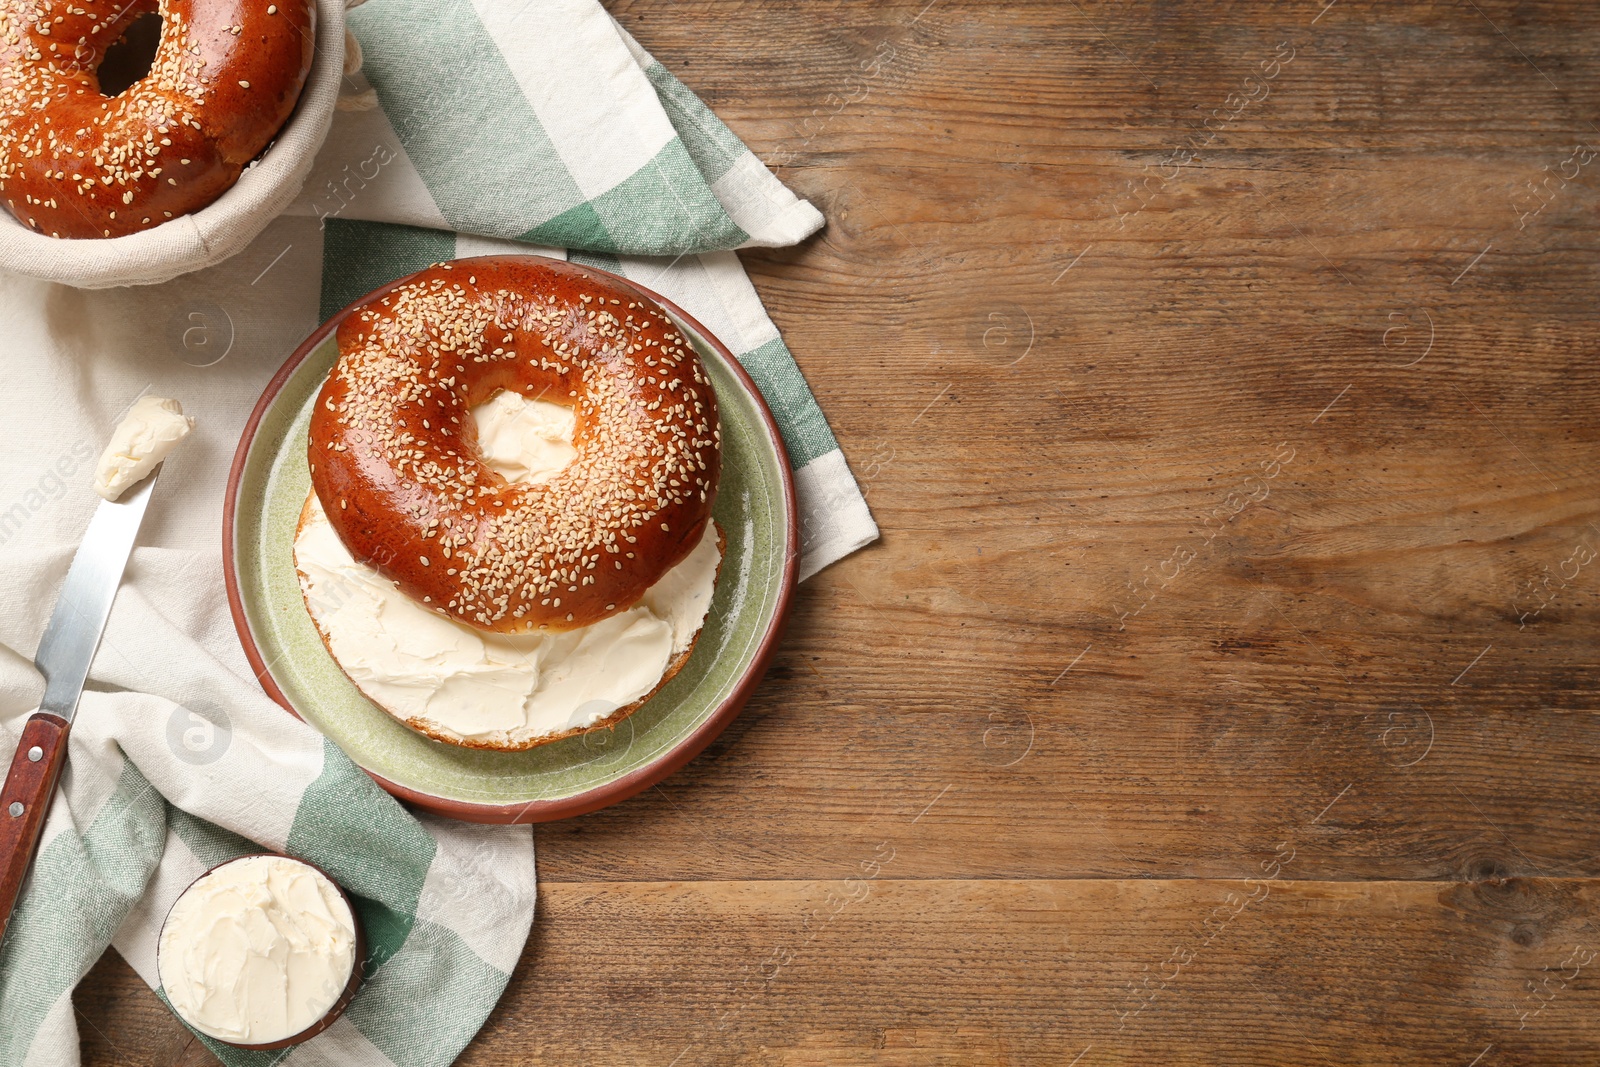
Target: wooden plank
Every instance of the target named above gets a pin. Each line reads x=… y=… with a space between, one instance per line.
x=1037 y=76
x=881 y=971
x=876 y=970
x=1112 y=778
x=120 y=1022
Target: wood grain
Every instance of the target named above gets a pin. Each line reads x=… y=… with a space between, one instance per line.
x=1237 y=503
x=996 y=971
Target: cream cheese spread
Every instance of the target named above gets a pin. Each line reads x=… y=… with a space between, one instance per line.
x=145 y=436
x=475 y=685
x=257 y=950
x=524 y=440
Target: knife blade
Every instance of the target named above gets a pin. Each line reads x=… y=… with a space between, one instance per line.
x=65 y=652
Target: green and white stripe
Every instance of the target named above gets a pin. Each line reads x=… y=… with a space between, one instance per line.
x=545 y=123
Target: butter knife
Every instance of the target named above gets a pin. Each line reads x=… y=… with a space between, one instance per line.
x=65 y=651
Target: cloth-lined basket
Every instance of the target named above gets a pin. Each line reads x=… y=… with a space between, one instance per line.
x=217 y=231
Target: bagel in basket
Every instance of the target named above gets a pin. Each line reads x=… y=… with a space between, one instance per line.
x=76 y=162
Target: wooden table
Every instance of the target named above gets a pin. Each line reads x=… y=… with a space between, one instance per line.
x=1223 y=689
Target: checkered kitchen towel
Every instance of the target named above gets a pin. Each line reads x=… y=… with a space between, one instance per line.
x=471 y=128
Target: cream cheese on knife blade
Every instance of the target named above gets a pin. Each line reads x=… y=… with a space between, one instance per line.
x=145 y=436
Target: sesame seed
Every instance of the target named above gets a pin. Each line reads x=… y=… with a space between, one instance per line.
x=645 y=461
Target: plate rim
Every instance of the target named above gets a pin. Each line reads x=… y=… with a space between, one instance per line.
x=630 y=784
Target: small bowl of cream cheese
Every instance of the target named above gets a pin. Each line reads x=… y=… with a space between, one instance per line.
x=261 y=952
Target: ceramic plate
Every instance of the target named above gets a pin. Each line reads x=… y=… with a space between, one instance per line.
x=754 y=506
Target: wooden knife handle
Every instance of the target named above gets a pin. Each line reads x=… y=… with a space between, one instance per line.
x=25 y=801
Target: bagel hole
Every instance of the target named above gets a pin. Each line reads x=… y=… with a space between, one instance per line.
x=522 y=439
x=129 y=59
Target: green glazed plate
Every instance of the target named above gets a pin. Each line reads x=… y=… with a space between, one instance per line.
x=754 y=507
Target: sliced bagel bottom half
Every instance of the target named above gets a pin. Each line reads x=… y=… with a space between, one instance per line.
x=505 y=741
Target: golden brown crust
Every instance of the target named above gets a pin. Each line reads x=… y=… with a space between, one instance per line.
x=428 y=729
x=74 y=163
x=394 y=454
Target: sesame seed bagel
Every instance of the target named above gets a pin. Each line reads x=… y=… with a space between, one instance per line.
x=75 y=163
x=395 y=461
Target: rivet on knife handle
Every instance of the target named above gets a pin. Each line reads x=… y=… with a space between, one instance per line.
x=25 y=801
